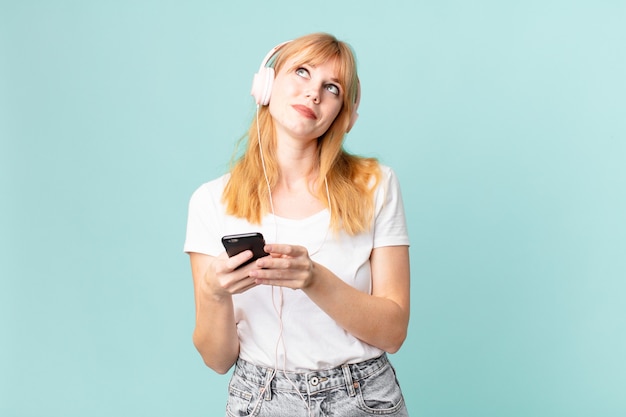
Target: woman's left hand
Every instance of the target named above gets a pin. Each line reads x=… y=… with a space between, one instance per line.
x=288 y=266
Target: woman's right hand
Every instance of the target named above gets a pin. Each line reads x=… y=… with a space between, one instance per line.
x=222 y=278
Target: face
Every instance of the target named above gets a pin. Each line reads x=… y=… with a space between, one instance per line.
x=306 y=99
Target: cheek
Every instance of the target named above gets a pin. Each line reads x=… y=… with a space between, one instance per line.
x=281 y=87
x=333 y=112
x=276 y=99
x=273 y=107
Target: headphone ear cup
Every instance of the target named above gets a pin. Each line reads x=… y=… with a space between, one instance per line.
x=353 y=118
x=262 y=85
x=355 y=115
x=264 y=78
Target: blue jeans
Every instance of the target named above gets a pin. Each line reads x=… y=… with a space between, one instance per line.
x=364 y=389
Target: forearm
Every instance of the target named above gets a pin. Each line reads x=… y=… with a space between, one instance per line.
x=215 y=334
x=376 y=320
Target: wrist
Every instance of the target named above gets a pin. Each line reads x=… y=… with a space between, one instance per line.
x=316 y=273
x=213 y=294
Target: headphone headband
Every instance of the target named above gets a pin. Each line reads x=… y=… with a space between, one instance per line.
x=271 y=53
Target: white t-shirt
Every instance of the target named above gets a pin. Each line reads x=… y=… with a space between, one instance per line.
x=312 y=339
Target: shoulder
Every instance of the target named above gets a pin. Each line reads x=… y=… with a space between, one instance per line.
x=215 y=186
x=386 y=171
x=388 y=187
x=388 y=177
x=210 y=192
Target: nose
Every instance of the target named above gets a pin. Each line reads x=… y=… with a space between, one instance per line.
x=313 y=94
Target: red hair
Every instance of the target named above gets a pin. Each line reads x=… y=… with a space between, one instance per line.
x=351 y=179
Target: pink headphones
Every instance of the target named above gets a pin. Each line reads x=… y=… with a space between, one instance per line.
x=264 y=78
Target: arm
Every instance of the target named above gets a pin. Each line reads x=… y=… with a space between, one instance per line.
x=380 y=319
x=215 y=280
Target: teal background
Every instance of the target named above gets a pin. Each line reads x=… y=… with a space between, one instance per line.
x=505 y=122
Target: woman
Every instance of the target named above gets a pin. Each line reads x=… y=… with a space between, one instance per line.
x=308 y=326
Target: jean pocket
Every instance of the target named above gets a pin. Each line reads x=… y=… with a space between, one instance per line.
x=241 y=400
x=380 y=393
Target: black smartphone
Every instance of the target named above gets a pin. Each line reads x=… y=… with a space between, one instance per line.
x=235 y=244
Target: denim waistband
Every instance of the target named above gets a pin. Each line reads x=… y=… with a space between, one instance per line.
x=347 y=375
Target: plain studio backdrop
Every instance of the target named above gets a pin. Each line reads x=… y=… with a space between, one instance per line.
x=506 y=124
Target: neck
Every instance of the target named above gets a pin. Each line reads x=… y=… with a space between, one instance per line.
x=297 y=164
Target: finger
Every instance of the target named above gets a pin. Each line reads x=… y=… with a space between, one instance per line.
x=236 y=261
x=277 y=250
x=286 y=283
x=286 y=263
x=279 y=274
x=244 y=285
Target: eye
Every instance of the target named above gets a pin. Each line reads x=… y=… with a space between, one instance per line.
x=302 y=72
x=332 y=88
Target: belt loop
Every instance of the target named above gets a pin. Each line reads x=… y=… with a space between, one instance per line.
x=347 y=375
x=267 y=386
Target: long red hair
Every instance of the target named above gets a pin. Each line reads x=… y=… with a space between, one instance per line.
x=351 y=179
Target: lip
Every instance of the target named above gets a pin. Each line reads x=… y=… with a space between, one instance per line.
x=305 y=111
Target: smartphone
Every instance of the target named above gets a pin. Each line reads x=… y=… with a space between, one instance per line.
x=235 y=244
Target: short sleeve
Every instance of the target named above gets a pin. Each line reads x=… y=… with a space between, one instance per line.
x=389 y=222
x=203 y=234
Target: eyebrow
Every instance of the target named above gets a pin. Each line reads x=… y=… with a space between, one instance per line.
x=296 y=65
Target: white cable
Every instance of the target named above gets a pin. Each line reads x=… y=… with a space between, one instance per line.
x=267 y=180
x=279 y=308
